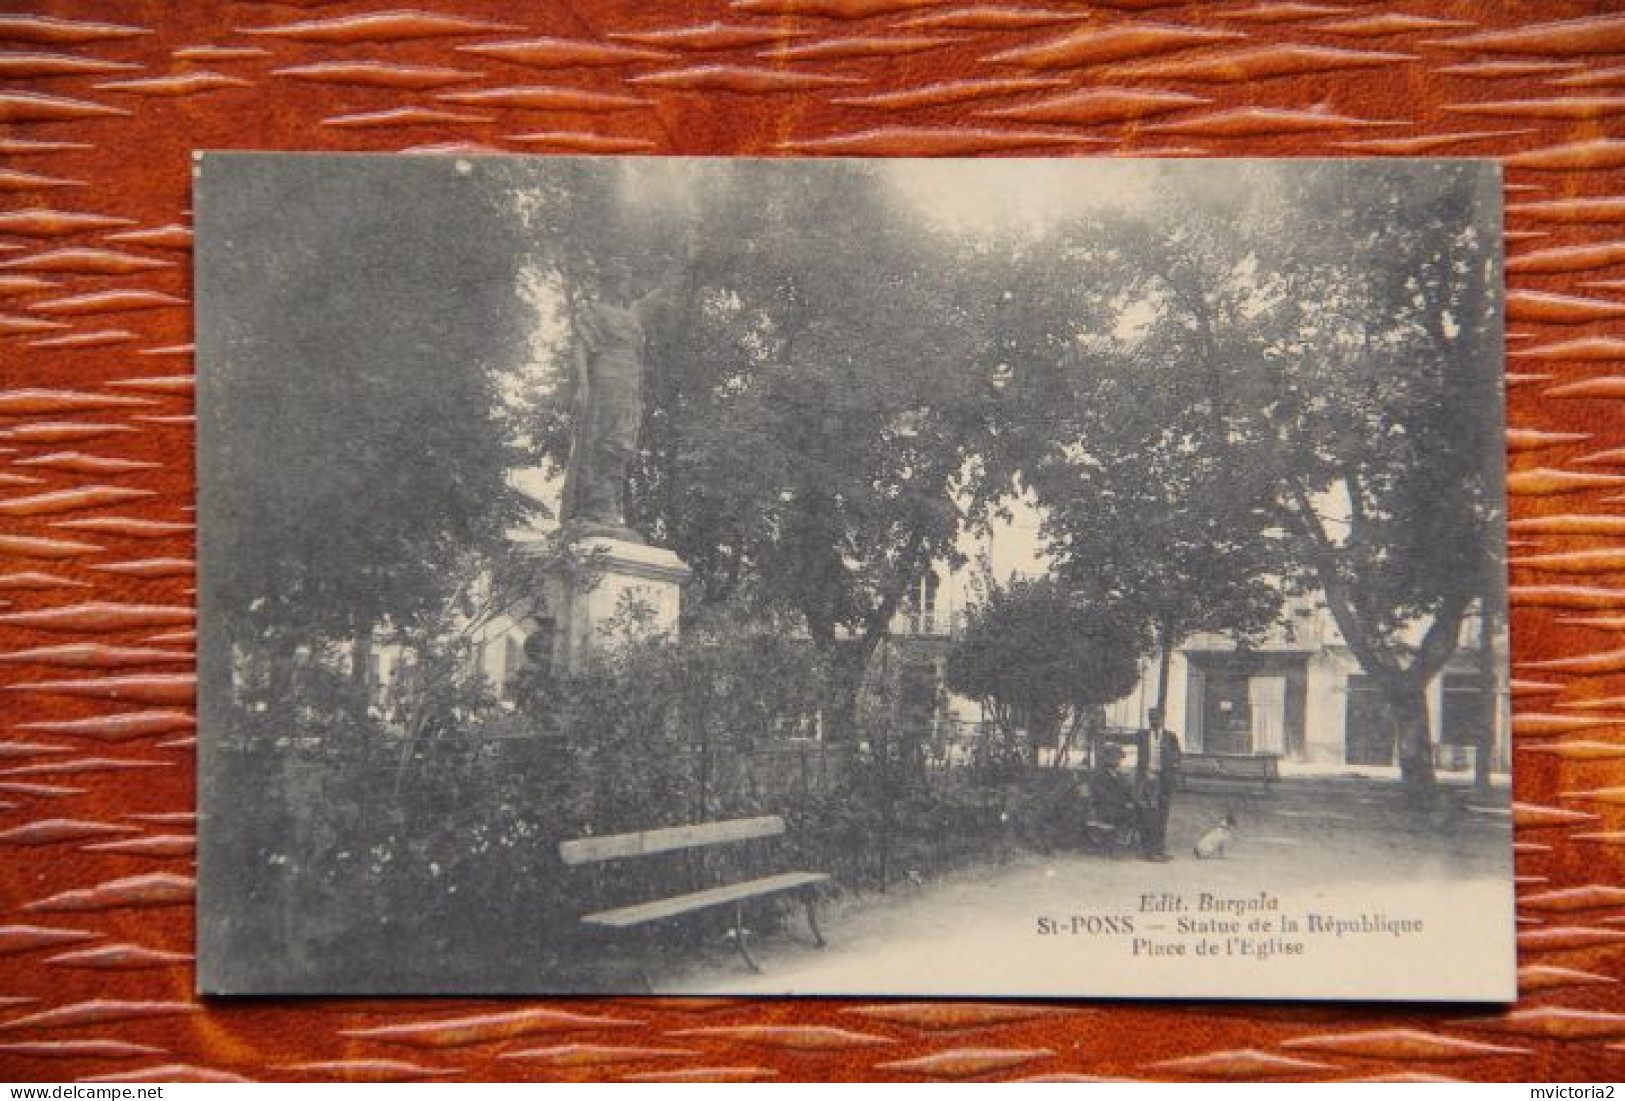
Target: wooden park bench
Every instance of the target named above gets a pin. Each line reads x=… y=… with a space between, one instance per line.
x=627 y=846
x=1263 y=769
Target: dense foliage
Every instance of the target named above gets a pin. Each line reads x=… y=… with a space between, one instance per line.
x=1043 y=658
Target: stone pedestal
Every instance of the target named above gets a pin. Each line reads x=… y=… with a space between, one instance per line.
x=634 y=590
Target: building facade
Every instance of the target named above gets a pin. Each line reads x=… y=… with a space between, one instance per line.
x=1300 y=694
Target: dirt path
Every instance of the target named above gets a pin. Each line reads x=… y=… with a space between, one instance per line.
x=1320 y=850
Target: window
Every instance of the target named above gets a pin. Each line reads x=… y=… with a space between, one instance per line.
x=922 y=607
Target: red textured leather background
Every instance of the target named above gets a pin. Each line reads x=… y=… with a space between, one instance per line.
x=101 y=104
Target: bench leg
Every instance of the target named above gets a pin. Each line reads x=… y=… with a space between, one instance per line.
x=811 y=904
x=739 y=939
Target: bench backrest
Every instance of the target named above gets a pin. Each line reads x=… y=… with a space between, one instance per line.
x=618 y=846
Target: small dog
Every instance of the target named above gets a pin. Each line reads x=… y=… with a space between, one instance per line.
x=1212 y=844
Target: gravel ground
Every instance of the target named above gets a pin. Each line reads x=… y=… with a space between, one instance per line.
x=1328 y=849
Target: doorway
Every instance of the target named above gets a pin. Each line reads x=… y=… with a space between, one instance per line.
x=1368 y=737
x=1227 y=714
x=1266 y=702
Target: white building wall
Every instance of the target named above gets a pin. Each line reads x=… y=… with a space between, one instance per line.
x=1134 y=710
x=1326 y=707
x=491 y=648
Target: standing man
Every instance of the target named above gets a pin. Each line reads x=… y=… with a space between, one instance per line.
x=1160 y=778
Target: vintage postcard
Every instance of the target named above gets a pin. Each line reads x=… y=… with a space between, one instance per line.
x=994 y=578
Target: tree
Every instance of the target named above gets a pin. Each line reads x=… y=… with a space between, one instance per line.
x=1389 y=433
x=1042 y=657
x=818 y=393
x=1286 y=377
x=357 y=320
x=1167 y=527
x=1152 y=484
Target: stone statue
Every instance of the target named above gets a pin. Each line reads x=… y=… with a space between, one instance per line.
x=609 y=354
x=607 y=411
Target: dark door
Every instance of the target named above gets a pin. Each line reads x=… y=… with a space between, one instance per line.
x=1368 y=736
x=1227 y=719
x=1462 y=715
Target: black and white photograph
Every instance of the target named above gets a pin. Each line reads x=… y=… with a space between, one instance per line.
x=988 y=578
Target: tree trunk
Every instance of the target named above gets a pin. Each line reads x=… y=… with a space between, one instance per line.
x=1095 y=726
x=1164 y=657
x=845 y=678
x=1063 y=746
x=881 y=749
x=1406 y=700
x=1404 y=689
x=361 y=676
x=1489 y=706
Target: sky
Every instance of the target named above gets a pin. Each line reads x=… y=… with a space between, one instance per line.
x=988 y=195
x=969 y=195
